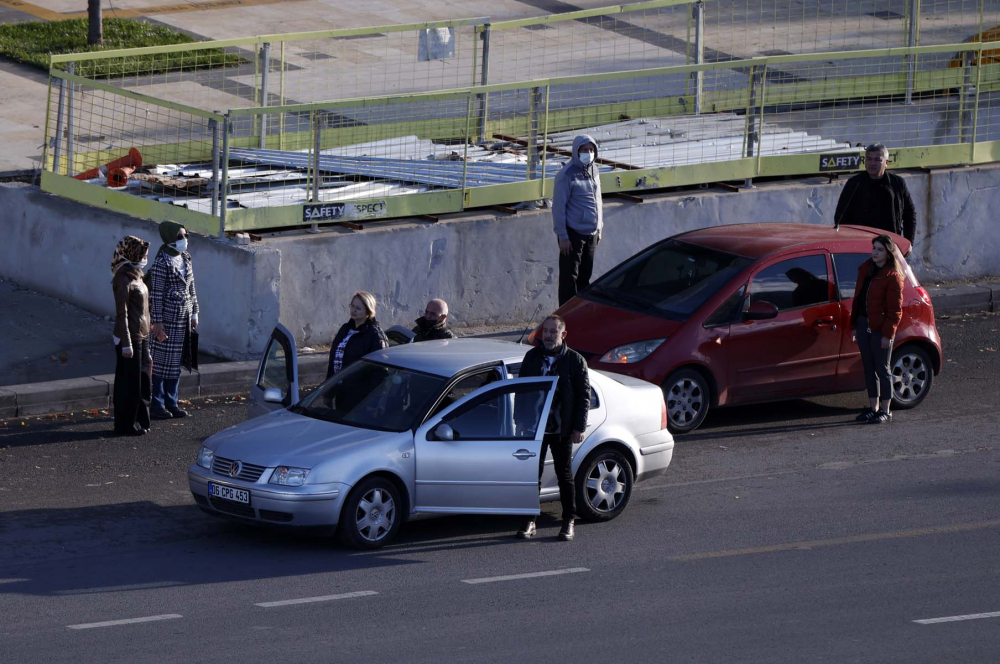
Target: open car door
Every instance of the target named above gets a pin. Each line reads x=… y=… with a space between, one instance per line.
x=277 y=384
x=480 y=455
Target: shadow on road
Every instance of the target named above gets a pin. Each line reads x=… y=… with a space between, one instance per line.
x=767 y=418
x=142 y=545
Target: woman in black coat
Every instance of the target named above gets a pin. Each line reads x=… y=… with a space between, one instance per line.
x=357 y=337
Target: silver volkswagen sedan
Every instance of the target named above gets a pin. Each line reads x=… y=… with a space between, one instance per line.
x=439 y=427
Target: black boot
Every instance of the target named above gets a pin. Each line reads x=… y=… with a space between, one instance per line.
x=566 y=533
x=528 y=531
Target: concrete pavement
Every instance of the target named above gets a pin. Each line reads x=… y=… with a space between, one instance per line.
x=22 y=114
x=57 y=357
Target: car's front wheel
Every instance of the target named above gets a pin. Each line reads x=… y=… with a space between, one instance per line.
x=603 y=485
x=371 y=514
x=687 y=396
x=911 y=373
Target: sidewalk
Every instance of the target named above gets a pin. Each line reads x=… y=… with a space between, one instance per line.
x=22 y=115
x=67 y=351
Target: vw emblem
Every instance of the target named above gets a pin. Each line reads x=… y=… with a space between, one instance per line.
x=235 y=469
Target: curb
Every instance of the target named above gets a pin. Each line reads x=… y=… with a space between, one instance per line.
x=97 y=392
x=223 y=378
x=964 y=298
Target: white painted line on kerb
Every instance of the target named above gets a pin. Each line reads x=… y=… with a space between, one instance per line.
x=971 y=616
x=126 y=621
x=530 y=575
x=324 y=598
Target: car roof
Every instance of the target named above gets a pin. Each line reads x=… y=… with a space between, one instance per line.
x=757 y=240
x=447 y=357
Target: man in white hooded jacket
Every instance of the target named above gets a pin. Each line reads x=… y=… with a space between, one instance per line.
x=577 y=217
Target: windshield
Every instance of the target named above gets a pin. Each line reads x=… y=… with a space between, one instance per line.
x=671 y=279
x=373 y=396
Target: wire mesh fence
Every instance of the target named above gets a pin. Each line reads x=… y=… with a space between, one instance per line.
x=465 y=113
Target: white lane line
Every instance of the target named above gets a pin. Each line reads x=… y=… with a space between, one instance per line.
x=530 y=575
x=971 y=616
x=324 y=598
x=127 y=621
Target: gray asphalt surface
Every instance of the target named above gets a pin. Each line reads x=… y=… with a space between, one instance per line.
x=779 y=534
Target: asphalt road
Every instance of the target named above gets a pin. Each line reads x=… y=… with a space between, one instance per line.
x=781 y=533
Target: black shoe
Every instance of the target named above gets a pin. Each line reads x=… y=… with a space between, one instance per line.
x=881 y=417
x=177 y=412
x=528 y=531
x=156 y=414
x=566 y=533
x=866 y=417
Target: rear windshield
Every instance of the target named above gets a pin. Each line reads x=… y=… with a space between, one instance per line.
x=671 y=279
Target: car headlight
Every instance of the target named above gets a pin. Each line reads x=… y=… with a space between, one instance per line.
x=289 y=476
x=631 y=353
x=206 y=457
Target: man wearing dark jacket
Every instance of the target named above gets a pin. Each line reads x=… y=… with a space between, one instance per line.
x=434 y=323
x=567 y=417
x=877 y=198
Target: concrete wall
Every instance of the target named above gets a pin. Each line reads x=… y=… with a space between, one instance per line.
x=491 y=268
x=63 y=249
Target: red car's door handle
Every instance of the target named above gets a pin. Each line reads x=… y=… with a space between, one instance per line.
x=825 y=320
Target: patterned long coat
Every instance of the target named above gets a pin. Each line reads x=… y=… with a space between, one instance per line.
x=172 y=302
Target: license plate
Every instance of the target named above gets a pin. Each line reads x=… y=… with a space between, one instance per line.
x=228 y=493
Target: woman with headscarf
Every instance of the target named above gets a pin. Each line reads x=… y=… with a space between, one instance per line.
x=173 y=306
x=357 y=337
x=131 y=336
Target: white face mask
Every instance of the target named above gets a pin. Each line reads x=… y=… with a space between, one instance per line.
x=142 y=264
x=586 y=157
x=181 y=245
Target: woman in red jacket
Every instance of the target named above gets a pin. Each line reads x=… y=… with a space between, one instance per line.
x=877 y=310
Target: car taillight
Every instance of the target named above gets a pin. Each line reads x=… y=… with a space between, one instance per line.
x=663 y=413
x=924 y=295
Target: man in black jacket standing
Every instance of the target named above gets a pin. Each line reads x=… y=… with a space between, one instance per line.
x=434 y=323
x=567 y=417
x=877 y=198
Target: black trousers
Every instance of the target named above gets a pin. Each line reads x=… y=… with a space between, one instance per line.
x=576 y=268
x=133 y=389
x=562 y=462
x=874 y=360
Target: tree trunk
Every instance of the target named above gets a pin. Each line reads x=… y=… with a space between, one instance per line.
x=95 y=23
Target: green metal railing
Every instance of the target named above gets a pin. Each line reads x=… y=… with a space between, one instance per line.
x=731 y=119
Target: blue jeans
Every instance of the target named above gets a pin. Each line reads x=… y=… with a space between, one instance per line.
x=164 y=393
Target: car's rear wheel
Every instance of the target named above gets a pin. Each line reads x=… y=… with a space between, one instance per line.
x=912 y=374
x=687 y=395
x=371 y=514
x=603 y=485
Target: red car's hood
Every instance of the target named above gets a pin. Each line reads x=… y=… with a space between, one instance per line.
x=595 y=328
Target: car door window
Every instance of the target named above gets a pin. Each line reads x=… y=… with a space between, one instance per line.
x=490 y=416
x=466 y=386
x=275 y=372
x=792 y=284
x=846 y=266
x=726 y=313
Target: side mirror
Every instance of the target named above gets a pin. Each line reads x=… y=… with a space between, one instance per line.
x=762 y=310
x=443 y=432
x=273 y=395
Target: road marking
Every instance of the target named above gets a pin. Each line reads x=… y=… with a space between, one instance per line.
x=971 y=616
x=127 y=621
x=324 y=598
x=854 y=539
x=530 y=575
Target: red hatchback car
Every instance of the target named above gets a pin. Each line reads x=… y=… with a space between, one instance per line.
x=747 y=313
